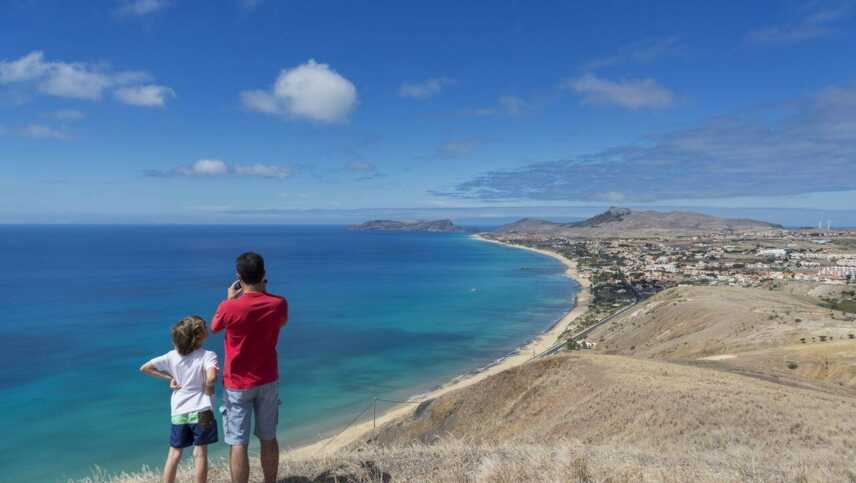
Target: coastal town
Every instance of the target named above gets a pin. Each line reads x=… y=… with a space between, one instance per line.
x=624 y=270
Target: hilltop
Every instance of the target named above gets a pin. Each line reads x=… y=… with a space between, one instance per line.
x=445 y=226
x=627 y=222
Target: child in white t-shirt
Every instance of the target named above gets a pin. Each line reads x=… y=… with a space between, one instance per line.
x=191 y=372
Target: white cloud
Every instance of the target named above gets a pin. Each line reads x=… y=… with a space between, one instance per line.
x=216 y=167
x=40 y=131
x=76 y=80
x=457 y=148
x=139 y=8
x=424 y=89
x=205 y=167
x=505 y=105
x=627 y=93
x=262 y=170
x=28 y=67
x=813 y=23
x=310 y=91
x=150 y=95
x=66 y=115
x=637 y=53
x=262 y=101
x=763 y=151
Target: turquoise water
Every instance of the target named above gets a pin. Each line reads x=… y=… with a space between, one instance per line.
x=372 y=314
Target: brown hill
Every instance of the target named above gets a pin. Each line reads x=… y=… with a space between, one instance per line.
x=688 y=322
x=687 y=423
x=700 y=383
x=786 y=334
x=626 y=222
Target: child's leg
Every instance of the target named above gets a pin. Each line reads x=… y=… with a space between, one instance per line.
x=200 y=459
x=171 y=465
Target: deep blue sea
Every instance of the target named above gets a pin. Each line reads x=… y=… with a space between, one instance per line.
x=371 y=314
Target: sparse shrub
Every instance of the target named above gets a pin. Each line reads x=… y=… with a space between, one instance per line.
x=851 y=336
x=823 y=338
x=797 y=321
x=792 y=365
x=802 y=340
x=582 y=474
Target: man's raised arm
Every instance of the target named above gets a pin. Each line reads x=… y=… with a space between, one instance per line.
x=221 y=318
x=284 y=313
x=219 y=321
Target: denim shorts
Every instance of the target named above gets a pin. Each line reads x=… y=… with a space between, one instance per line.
x=240 y=406
x=194 y=429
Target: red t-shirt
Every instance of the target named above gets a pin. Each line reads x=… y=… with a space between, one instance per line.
x=252 y=322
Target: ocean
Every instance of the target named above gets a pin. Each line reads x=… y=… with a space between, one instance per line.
x=372 y=314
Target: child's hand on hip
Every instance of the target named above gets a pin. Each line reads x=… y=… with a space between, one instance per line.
x=174 y=385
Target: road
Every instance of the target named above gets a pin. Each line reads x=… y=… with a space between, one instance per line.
x=558 y=346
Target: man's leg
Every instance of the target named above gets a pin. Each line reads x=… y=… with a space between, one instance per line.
x=270 y=459
x=266 y=407
x=237 y=409
x=200 y=459
x=171 y=465
x=239 y=463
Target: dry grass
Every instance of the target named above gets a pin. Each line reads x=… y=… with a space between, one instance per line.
x=690 y=322
x=663 y=411
x=455 y=461
x=828 y=366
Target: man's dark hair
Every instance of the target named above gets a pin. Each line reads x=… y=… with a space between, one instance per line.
x=250 y=267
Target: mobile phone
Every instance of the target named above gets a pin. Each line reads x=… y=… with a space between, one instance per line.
x=236 y=285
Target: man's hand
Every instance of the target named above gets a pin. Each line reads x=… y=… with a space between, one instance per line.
x=234 y=291
x=209 y=389
x=173 y=385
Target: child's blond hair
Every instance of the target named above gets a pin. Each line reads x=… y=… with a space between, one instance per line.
x=188 y=334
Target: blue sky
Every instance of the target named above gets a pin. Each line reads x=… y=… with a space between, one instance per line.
x=284 y=111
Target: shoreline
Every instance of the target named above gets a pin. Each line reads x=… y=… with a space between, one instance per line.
x=520 y=356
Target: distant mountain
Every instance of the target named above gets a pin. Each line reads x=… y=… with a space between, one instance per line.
x=445 y=226
x=626 y=222
x=530 y=225
x=612 y=215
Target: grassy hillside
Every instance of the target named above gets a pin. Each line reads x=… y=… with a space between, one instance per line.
x=786 y=334
x=690 y=322
x=455 y=461
x=699 y=422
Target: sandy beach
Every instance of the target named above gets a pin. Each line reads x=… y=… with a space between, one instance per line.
x=520 y=356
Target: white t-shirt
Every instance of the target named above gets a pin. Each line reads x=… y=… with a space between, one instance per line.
x=189 y=372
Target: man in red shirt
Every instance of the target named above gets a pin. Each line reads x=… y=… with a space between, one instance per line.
x=252 y=319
